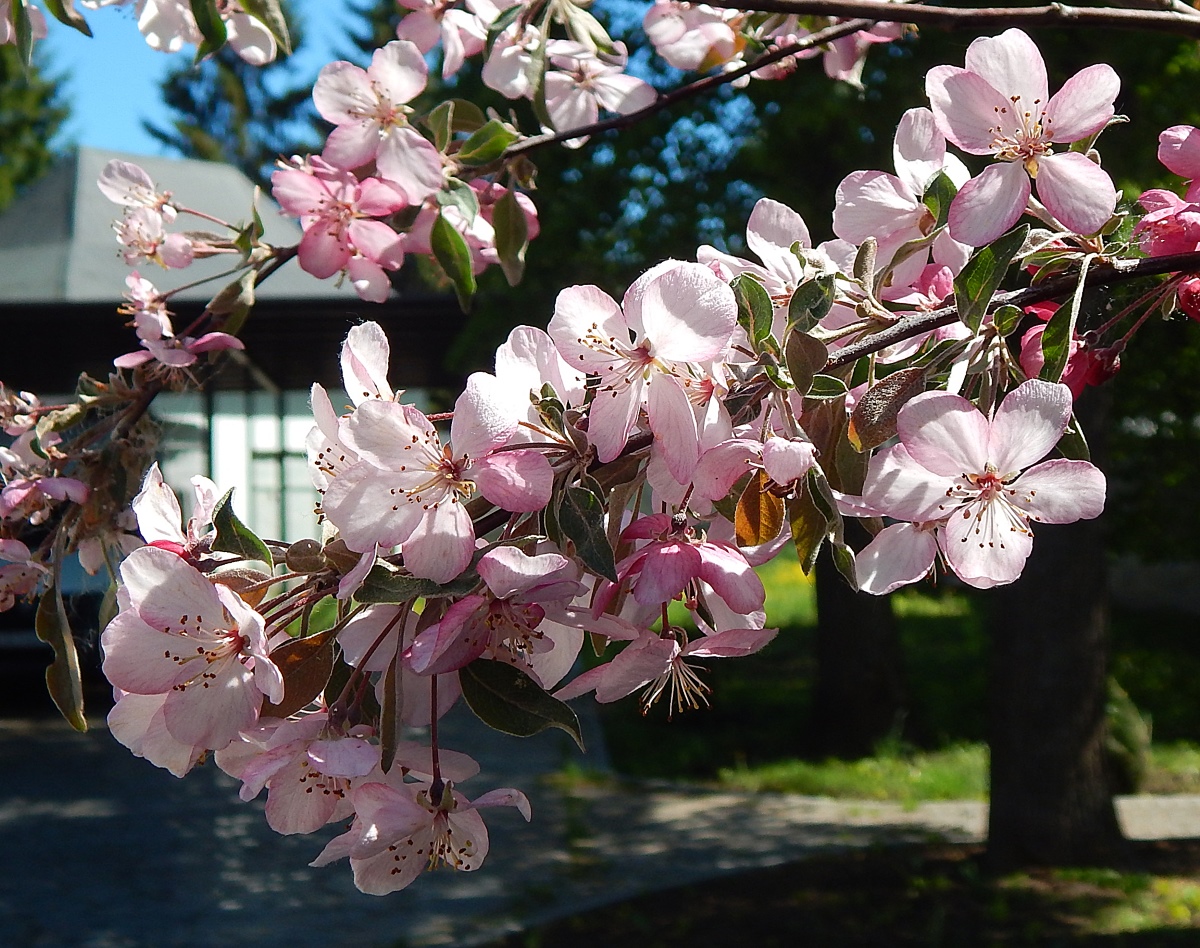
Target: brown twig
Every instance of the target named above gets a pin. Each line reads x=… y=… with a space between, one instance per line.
x=1161 y=20
x=1110 y=274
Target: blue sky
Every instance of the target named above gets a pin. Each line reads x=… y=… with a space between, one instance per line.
x=111 y=80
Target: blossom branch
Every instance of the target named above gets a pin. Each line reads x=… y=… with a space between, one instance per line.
x=1173 y=20
x=699 y=87
x=1114 y=272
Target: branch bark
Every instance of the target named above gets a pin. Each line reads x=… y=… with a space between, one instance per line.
x=1171 y=20
x=1119 y=271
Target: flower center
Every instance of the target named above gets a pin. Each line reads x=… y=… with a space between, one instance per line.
x=1022 y=133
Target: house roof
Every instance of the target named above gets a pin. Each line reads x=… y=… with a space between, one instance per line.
x=62 y=278
x=57 y=243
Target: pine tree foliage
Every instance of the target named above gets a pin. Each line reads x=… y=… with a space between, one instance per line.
x=227 y=110
x=31 y=114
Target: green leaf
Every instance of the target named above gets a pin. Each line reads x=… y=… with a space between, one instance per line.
x=759 y=515
x=1006 y=318
x=64 y=11
x=873 y=420
x=755 y=310
x=23 y=30
x=509 y=701
x=487 y=144
x=502 y=22
x=938 y=195
x=809 y=528
x=234 y=302
x=1073 y=444
x=270 y=13
x=452 y=253
x=512 y=236
x=1060 y=330
x=804 y=356
x=461 y=195
x=387 y=584
x=827 y=386
x=581 y=517
x=864 y=262
x=811 y=301
x=979 y=279
x=306 y=665
x=63 y=678
x=233 y=536
x=212 y=27
x=440 y=121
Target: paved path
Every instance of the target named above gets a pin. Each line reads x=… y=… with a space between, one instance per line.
x=101 y=850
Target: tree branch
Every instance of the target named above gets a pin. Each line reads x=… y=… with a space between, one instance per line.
x=699 y=87
x=1160 y=20
x=1120 y=271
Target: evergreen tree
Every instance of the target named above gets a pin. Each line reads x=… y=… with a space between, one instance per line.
x=227 y=110
x=31 y=114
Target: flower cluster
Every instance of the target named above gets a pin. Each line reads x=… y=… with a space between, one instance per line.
x=617 y=476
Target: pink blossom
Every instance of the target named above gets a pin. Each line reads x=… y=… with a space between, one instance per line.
x=505 y=621
x=403 y=828
x=31 y=497
x=369 y=108
x=168 y=25
x=20 y=573
x=198 y=644
x=581 y=84
x=691 y=36
x=1170 y=224
x=510 y=68
x=957 y=470
x=890 y=207
x=674 y=564
x=307 y=767
x=159 y=516
x=407 y=488
x=999 y=105
x=128 y=185
x=659 y=662
x=152 y=322
x=337 y=212
x=675 y=315
x=142 y=237
x=462 y=33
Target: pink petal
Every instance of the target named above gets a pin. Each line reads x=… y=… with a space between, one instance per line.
x=899 y=487
x=410 y=162
x=1060 y=491
x=965 y=106
x=990 y=203
x=520 y=481
x=482 y=420
x=640 y=663
x=578 y=312
x=944 y=433
x=1077 y=191
x=687 y=313
x=1084 y=104
x=726 y=570
x=400 y=70
x=985 y=550
x=919 y=149
x=1027 y=425
x=770 y=232
x=674 y=425
x=1011 y=64
x=343 y=93
x=364 y=358
x=899 y=555
x=665 y=569
x=874 y=204
x=1179 y=150
x=441 y=545
x=732 y=643
x=352 y=146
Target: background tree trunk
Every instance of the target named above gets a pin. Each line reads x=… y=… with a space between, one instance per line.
x=860 y=697
x=1051 y=796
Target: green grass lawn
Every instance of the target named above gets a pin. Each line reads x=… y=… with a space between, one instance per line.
x=755 y=729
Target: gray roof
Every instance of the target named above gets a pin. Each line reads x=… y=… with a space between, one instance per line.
x=57 y=243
